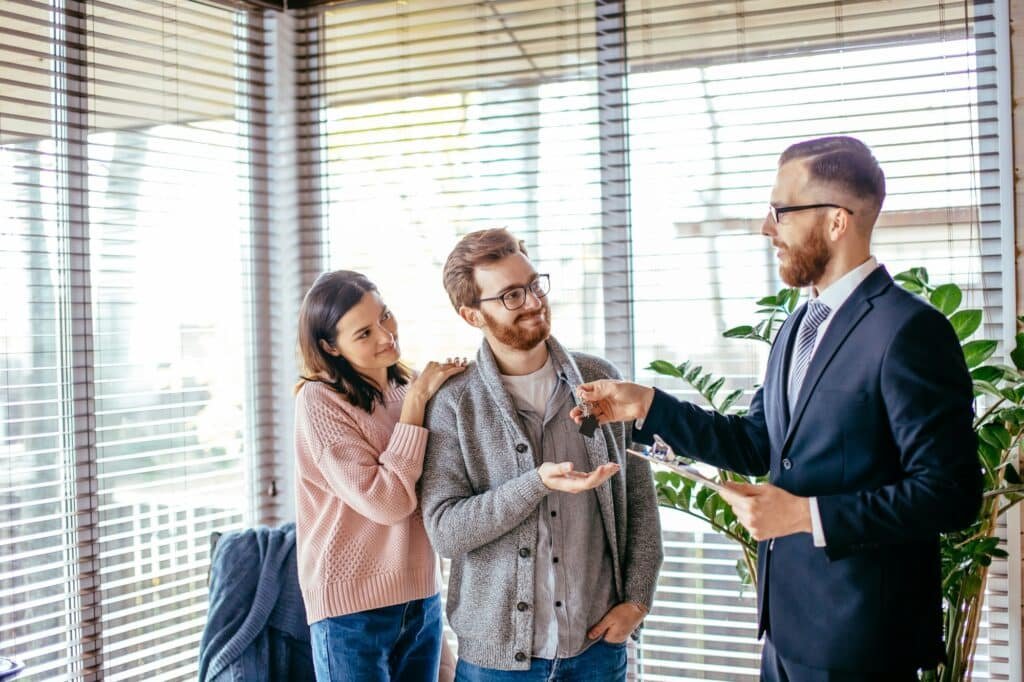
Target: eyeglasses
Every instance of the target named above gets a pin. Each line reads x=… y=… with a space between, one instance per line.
x=783 y=210
x=516 y=298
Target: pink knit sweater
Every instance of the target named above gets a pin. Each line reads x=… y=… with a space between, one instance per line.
x=361 y=542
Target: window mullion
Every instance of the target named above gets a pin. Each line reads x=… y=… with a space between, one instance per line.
x=77 y=405
x=615 y=209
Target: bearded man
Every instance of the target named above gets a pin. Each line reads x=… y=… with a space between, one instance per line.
x=554 y=536
x=863 y=427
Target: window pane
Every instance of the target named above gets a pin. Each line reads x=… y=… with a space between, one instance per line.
x=125 y=262
x=169 y=210
x=412 y=165
x=37 y=541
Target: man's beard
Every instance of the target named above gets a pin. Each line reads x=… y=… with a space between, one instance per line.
x=514 y=336
x=806 y=263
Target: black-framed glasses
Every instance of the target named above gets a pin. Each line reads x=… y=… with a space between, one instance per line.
x=516 y=298
x=783 y=210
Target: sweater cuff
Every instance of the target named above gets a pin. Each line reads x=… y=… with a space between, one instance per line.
x=530 y=486
x=408 y=441
x=640 y=597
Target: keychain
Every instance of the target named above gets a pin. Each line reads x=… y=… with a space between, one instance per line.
x=589 y=424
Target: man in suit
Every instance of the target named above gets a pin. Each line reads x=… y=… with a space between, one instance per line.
x=863 y=426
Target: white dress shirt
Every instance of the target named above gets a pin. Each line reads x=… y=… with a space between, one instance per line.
x=834 y=297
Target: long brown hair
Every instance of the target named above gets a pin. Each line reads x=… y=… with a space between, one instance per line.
x=332 y=295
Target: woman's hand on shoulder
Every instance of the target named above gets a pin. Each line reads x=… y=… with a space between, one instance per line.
x=425 y=386
x=435 y=374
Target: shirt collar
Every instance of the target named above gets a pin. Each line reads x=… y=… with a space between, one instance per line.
x=837 y=293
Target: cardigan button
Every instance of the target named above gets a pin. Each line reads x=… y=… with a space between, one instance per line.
x=520 y=656
x=524 y=552
x=521 y=448
x=787 y=464
x=522 y=606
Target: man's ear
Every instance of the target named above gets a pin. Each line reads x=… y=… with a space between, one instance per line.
x=329 y=349
x=839 y=225
x=472 y=316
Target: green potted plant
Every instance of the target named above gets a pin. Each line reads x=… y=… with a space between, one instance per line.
x=999 y=424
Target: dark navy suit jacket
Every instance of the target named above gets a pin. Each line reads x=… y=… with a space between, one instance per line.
x=882 y=436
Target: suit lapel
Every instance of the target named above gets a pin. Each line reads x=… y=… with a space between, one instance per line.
x=845 y=321
x=777 y=384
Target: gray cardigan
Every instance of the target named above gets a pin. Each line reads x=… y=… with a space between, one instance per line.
x=480 y=493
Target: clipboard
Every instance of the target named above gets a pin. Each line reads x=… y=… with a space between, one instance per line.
x=662 y=454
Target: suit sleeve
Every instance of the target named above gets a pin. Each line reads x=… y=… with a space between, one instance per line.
x=457 y=518
x=730 y=442
x=928 y=398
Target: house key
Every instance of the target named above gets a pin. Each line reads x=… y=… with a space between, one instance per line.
x=589 y=424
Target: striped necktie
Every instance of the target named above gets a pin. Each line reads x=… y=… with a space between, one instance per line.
x=817 y=312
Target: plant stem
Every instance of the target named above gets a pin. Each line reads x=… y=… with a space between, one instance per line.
x=1019 y=488
x=721 y=529
x=974 y=606
x=1008 y=507
x=981 y=420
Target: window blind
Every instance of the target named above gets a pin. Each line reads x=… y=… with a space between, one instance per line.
x=633 y=145
x=443 y=119
x=133 y=195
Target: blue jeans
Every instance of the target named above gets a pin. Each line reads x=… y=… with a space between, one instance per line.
x=602 y=662
x=401 y=642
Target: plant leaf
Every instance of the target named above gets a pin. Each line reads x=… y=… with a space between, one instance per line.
x=666 y=368
x=914 y=280
x=987 y=373
x=982 y=387
x=669 y=496
x=1017 y=354
x=744 y=331
x=989 y=455
x=711 y=390
x=730 y=400
x=965 y=322
x=946 y=298
x=794 y=299
x=995 y=434
x=667 y=478
x=977 y=352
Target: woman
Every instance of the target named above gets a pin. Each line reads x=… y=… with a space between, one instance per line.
x=366 y=568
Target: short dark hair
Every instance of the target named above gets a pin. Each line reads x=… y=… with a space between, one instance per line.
x=843 y=161
x=476 y=248
x=332 y=295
